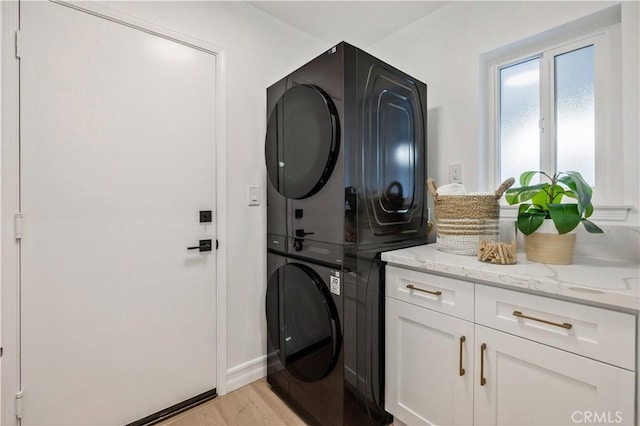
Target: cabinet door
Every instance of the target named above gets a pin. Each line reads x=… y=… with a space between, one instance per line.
x=424 y=357
x=527 y=383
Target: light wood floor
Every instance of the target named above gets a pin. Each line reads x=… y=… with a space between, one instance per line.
x=254 y=404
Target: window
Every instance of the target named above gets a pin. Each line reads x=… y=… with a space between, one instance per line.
x=546 y=113
x=519 y=118
x=553 y=104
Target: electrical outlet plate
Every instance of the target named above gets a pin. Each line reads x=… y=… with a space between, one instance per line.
x=455 y=173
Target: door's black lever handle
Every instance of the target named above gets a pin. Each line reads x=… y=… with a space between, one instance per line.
x=300 y=233
x=205 y=245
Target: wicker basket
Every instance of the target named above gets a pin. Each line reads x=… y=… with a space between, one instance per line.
x=461 y=219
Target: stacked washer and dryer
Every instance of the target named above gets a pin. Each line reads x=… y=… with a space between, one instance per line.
x=346 y=153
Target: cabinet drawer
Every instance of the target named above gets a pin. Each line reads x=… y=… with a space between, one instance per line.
x=596 y=333
x=446 y=295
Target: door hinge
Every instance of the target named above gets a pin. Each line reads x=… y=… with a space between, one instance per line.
x=217 y=244
x=19 y=396
x=18 y=40
x=18 y=226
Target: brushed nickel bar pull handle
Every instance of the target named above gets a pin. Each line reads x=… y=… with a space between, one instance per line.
x=563 y=325
x=412 y=287
x=483 y=381
x=462 y=339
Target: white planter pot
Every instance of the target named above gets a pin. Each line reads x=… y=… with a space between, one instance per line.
x=548 y=227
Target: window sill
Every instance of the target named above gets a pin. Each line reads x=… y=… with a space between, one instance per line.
x=600 y=213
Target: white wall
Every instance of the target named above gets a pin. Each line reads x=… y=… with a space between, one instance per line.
x=444 y=48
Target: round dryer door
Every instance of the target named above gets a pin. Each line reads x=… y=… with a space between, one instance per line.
x=302 y=141
x=302 y=322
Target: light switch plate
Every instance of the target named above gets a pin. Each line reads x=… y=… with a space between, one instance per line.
x=253 y=195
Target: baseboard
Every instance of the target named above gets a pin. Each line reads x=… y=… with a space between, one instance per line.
x=246 y=373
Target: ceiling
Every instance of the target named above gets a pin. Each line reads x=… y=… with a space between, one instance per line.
x=361 y=23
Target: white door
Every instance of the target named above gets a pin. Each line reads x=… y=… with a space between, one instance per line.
x=117 y=159
x=528 y=383
x=429 y=366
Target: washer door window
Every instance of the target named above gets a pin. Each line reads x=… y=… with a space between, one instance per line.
x=302 y=321
x=302 y=141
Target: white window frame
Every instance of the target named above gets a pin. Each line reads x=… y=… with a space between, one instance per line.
x=605 y=34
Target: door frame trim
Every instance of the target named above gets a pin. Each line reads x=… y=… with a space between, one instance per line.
x=10 y=203
x=10 y=190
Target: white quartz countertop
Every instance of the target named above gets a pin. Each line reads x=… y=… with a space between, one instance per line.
x=606 y=282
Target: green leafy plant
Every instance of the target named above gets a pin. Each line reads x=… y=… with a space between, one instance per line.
x=543 y=201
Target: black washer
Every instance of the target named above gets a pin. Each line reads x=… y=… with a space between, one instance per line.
x=302 y=321
x=302 y=141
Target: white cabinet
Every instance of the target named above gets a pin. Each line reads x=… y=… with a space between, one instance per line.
x=527 y=359
x=429 y=366
x=527 y=383
x=441 y=294
x=597 y=333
